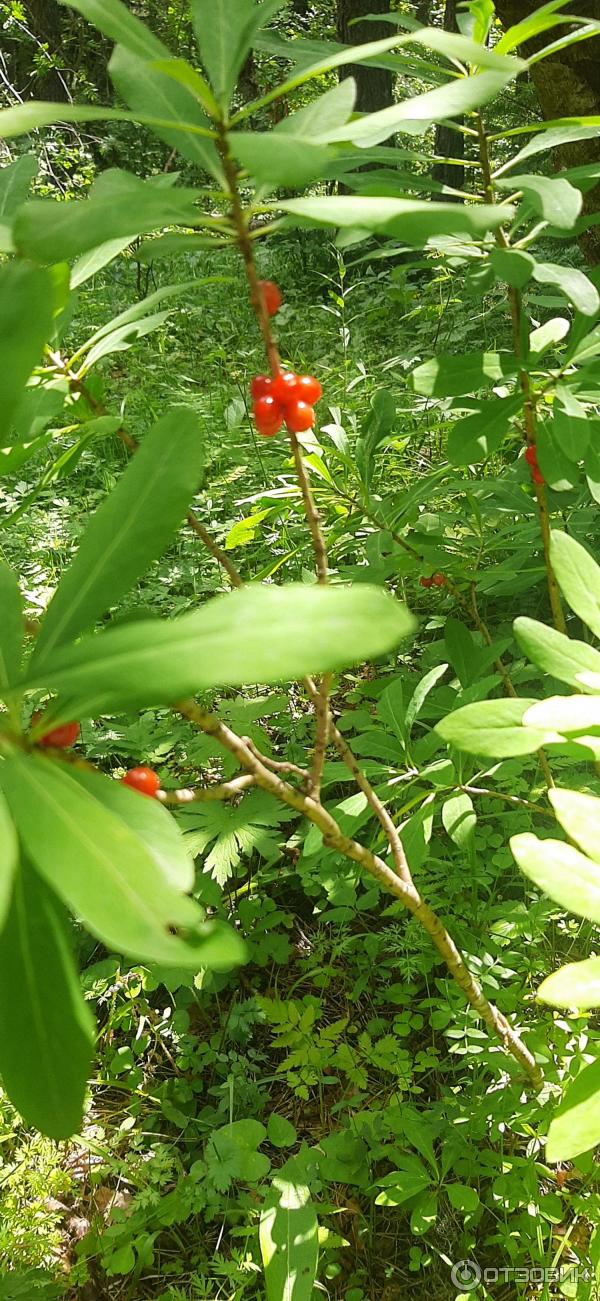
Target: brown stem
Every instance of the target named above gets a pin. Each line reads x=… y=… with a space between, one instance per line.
x=335 y=838
x=276 y=765
x=322 y=735
x=206 y=794
x=530 y=413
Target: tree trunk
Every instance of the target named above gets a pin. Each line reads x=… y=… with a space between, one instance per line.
x=374 y=86
x=449 y=143
x=567 y=84
x=44 y=20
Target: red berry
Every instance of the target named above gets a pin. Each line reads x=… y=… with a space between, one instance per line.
x=537 y=475
x=142 y=779
x=260 y=386
x=62 y=737
x=426 y=582
x=271 y=296
x=299 y=417
x=308 y=389
x=531 y=454
x=284 y=386
x=438 y=580
x=268 y=416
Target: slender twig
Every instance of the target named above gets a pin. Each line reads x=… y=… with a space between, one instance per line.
x=206 y=794
x=322 y=734
x=276 y=765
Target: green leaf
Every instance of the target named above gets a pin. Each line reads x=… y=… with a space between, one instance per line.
x=421 y=692
x=129 y=530
x=401 y=1185
x=280 y=1131
x=512 y=266
x=288 y=1235
x=558 y=471
x=155 y=96
x=119 y=205
x=555 y=199
x=153 y=824
x=117 y=22
x=571 y=423
x=391 y=709
x=564 y=658
x=26 y=310
x=449 y=101
x=577 y=288
x=89 y=263
x=415 y=221
x=277 y=160
x=11 y=626
x=542 y=20
x=460 y=819
x=315 y=120
x=493 y=728
x=462 y=1197
x=461 y=651
x=9 y=857
x=225 y=31
x=562 y=872
x=189 y=77
x=257 y=634
x=15 y=182
x=474 y=437
x=554 y=138
x=46 y=1030
x=548 y=335
x=578 y=577
x=565 y=714
x=579 y=816
x=446 y=376
x=576 y=1124
x=575 y=985
x=33 y=114
x=105 y=873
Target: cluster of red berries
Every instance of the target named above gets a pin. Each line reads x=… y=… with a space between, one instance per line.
x=532 y=461
x=142 y=779
x=287 y=397
x=436 y=580
x=60 y=737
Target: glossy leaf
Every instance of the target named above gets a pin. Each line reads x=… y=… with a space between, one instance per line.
x=578 y=576
x=565 y=714
x=26 y=310
x=225 y=31
x=46 y=1029
x=119 y=205
x=474 y=437
x=544 y=19
x=575 y=1127
x=279 y=160
x=558 y=471
x=562 y=872
x=555 y=199
x=150 y=821
x=447 y=376
x=413 y=220
x=116 y=21
x=153 y=95
x=258 y=634
x=579 y=816
x=493 y=728
x=575 y=985
x=288 y=1236
x=449 y=101
x=564 y=658
x=554 y=138
x=11 y=626
x=128 y=531
x=103 y=871
x=90 y=263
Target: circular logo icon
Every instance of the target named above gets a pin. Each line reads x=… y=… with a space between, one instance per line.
x=466 y=1274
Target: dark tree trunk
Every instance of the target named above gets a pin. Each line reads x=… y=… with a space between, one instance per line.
x=449 y=143
x=44 y=20
x=567 y=84
x=374 y=86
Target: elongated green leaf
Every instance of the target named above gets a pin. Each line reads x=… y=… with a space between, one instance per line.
x=129 y=530
x=460 y=819
x=576 y=985
x=142 y=308
x=556 y=200
x=552 y=139
x=288 y=1235
x=119 y=205
x=151 y=93
x=391 y=709
x=26 y=309
x=116 y=21
x=571 y=423
x=579 y=816
x=9 y=856
x=189 y=77
x=104 y=872
x=279 y=160
x=33 y=114
x=564 y=658
x=574 y=284
x=473 y=438
x=557 y=470
x=445 y=376
x=512 y=266
x=548 y=335
x=413 y=220
x=454 y=99
x=493 y=728
x=568 y=715
x=225 y=30
x=544 y=19
x=123 y=338
x=11 y=626
x=86 y=266
x=568 y=877
x=578 y=577
x=576 y=1124
x=421 y=692
x=321 y=115
x=15 y=182
x=46 y=1030
x=151 y=823
x=258 y=634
